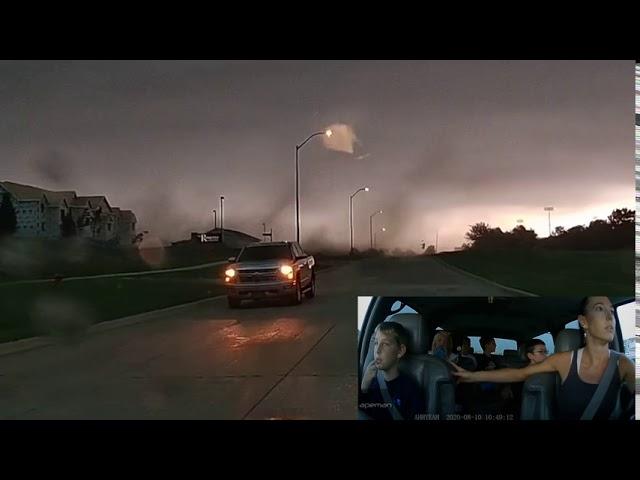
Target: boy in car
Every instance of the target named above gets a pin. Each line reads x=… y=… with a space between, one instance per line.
x=385 y=392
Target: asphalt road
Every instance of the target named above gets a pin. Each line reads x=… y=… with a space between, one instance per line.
x=206 y=361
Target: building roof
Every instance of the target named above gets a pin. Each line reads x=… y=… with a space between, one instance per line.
x=271 y=244
x=23 y=192
x=127 y=216
x=28 y=192
x=94 y=200
x=59 y=197
x=235 y=233
x=54 y=198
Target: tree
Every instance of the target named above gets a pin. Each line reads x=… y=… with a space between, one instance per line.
x=478 y=231
x=431 y=250
x=559 y=231
x=621 y=216
x=521 y=237
x=8 y=220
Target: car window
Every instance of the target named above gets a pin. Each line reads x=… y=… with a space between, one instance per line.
x=363 y=304
x=627 y=318
x=406 y=309
x=573 y=325
x=547 y=338
x=502 y=344
x=270 y=252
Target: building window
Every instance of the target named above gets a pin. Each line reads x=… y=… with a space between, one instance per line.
x=133 y=227
x=41 y=207
x=43 y=226
x=61 y=215
x=108 y=227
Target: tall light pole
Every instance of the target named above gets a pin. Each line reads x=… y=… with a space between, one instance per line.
x=371 y=225
x=221 y=219
x=365 y=189
x=328 y=133
x=437 y=241
x=549 y=210
x=376 y=234
x=215 y=219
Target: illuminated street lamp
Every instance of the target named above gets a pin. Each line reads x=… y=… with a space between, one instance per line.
x=371 y=225
x=361 y=189
x=328 y=133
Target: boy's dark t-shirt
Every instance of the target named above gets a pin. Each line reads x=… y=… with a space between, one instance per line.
x=486 y=362
x=403 y=391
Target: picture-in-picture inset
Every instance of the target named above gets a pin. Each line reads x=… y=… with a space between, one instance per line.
x=496 y=358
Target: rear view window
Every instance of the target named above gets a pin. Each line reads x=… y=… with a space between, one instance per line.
x=502 y=344
x=548 y=341
x=627 y=319
x=572 y=325
x=273 y=252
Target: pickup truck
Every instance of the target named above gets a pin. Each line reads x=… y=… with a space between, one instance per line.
x=270 y=269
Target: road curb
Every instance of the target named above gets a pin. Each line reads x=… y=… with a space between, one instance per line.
x=23 y=345
x=32 y=343
x=141 y=273
x=486 y=280
x=26 y=344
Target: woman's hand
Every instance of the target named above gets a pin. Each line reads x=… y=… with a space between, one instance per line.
x=462 y=374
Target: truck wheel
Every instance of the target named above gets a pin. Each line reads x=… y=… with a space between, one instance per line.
x=234 y=302
x=312 y=288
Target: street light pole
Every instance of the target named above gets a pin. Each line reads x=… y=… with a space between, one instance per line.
x=376 y=234
x=215 y=219
x=366 y=189
x=328 y=133
x=221 y=219
x=549 y=210
x=371 y=225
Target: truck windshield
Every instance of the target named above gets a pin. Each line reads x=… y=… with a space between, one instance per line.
x=271 y=252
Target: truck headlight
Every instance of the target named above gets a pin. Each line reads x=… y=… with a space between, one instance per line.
x=286 y=270
x=230 y=272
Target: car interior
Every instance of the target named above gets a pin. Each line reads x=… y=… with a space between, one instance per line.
x=517 y=319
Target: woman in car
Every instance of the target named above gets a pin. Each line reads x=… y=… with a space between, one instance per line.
x=581 y=370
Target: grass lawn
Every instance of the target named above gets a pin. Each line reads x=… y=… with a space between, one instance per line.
x=26 y=259
x=34 y=309
x=553 y=272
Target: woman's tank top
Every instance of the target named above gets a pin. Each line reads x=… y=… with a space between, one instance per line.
x=575 y=395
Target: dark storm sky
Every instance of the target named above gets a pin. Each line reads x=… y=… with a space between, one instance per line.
x=442 y=144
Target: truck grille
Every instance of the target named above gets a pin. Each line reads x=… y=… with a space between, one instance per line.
x=258 y=276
